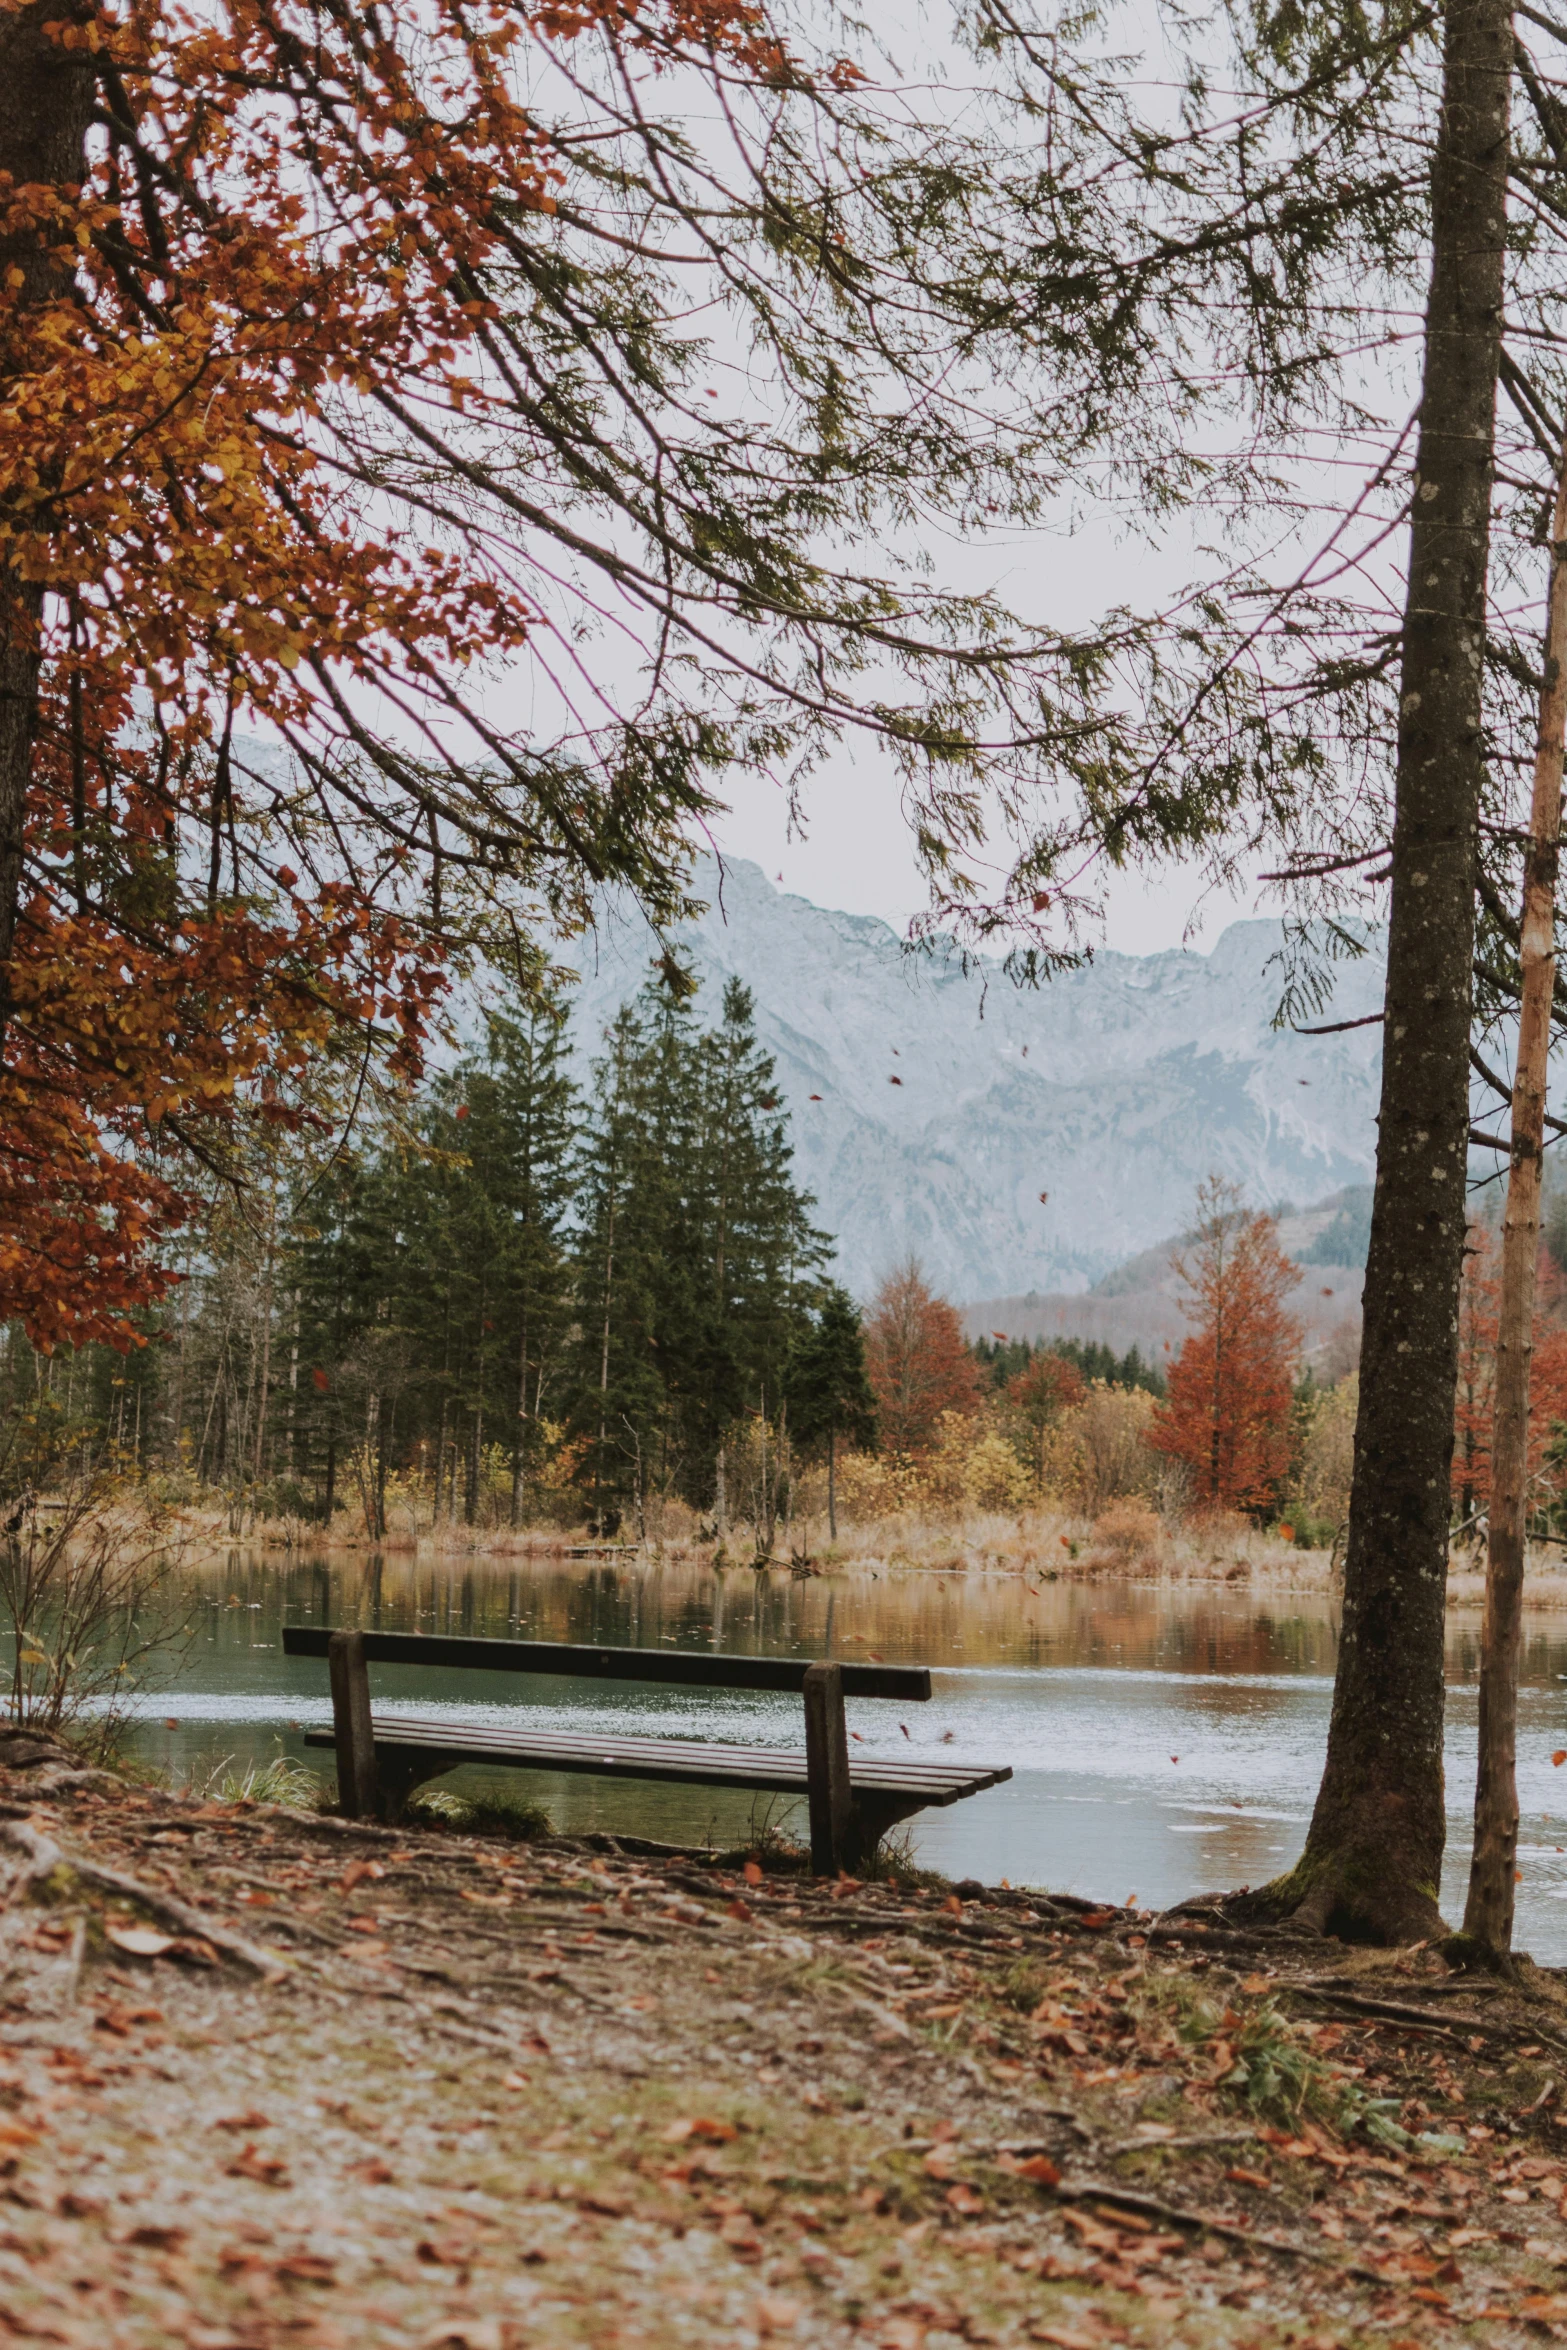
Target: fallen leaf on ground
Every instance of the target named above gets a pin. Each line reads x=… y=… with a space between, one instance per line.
x=140 y=1941
x=267 y=2168
x=244 y=2121
x=1041 y=2170
x=711 y=2132
x=308 y=2268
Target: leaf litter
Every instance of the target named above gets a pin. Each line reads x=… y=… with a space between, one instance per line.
x=634 y=2097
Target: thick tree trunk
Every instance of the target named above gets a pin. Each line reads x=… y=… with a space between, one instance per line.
x=1372 y=1863
x=1488 y=1915
x=46 y=95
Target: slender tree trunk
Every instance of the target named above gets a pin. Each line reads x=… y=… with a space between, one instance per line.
x=832 y=1483
x=1373 y=1857
x=258 y=1460
x=609 y=1291
x=522 y=1425
x=1488 y=1916
x=46 y=98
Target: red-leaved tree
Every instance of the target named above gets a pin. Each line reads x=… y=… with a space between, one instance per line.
x=1227 y=1414
x=918 y=1361
x=1479 y=1309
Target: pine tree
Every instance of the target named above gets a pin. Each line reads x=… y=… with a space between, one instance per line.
x=828 y=1387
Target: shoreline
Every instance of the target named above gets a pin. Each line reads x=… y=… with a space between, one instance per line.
x=1276 y=1567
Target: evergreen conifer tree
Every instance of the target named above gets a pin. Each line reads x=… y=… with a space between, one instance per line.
x=829 y=1388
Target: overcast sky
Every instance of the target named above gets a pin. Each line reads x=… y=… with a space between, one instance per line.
x=857 y=856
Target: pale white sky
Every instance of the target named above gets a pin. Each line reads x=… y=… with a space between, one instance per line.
x=857 y=858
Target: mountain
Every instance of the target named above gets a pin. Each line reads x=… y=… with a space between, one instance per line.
x=950 y=1100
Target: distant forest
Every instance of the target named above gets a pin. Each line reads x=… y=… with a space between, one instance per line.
x=523 y=1298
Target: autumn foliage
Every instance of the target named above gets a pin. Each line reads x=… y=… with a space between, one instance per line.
x=918 y=1362
x=248 y=357
x=1227 y=1413
x=1479 y=1315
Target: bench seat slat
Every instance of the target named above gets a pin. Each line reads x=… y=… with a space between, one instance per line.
x=712 y=1763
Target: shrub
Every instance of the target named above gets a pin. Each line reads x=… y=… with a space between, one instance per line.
x=83 y=1597
x=993 y=1476
x=1128 y=1530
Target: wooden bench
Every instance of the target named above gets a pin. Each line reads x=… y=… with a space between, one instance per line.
x=381 y=1758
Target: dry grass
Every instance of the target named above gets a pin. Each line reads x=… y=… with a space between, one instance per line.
x=1128 y=1542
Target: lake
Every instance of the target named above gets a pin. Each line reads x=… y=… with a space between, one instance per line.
x=1164 y=1739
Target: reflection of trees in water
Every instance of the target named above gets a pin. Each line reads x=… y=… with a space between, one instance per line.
x=936 y=1618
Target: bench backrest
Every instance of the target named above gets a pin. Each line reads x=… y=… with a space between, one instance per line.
x=679 y=1668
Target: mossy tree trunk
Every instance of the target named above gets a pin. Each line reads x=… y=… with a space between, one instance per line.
x=1372 y=1864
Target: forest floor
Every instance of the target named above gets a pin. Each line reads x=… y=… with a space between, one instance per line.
x=269 y=2079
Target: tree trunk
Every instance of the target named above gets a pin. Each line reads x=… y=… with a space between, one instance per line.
x=46 y=98
x=832 y=1483
x=519 y=1450
x=1488 y=1916
x=1373 y=1857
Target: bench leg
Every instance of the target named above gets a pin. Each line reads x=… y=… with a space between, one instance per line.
x=399 y=1772
x=876 y=1814
x=835 y=1831
x=357 y=1792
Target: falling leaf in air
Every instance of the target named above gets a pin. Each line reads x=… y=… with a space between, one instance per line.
x=320 y=1382
x=462 y=1109
x=752 y=1872
x=1043 y=1198
x=947 y=1737
x=1175 y=1758
x=1560 y=1756
x=855 y=1735
x=904 y=1727
x=816 y=1097
x=895 y=1081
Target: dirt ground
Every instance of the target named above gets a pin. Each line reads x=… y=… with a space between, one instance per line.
x=340 y=2087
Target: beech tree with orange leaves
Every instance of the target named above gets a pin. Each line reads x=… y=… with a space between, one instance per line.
x=917 y=1360
x=1227 y=1413
x=1479 y=1315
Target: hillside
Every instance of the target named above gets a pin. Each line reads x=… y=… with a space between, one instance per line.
x=932 y=1105
x=1139 y=1303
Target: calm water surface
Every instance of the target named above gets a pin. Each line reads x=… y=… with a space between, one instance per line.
x=1162 y=1741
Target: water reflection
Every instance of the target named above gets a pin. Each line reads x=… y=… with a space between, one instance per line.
x=1162 y=1739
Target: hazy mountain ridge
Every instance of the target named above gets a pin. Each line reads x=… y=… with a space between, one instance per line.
x=1114 y=1089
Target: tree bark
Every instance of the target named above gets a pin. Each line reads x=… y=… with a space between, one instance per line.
x=1488 y=1914
x=1372 y=1864
x=46 y=97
